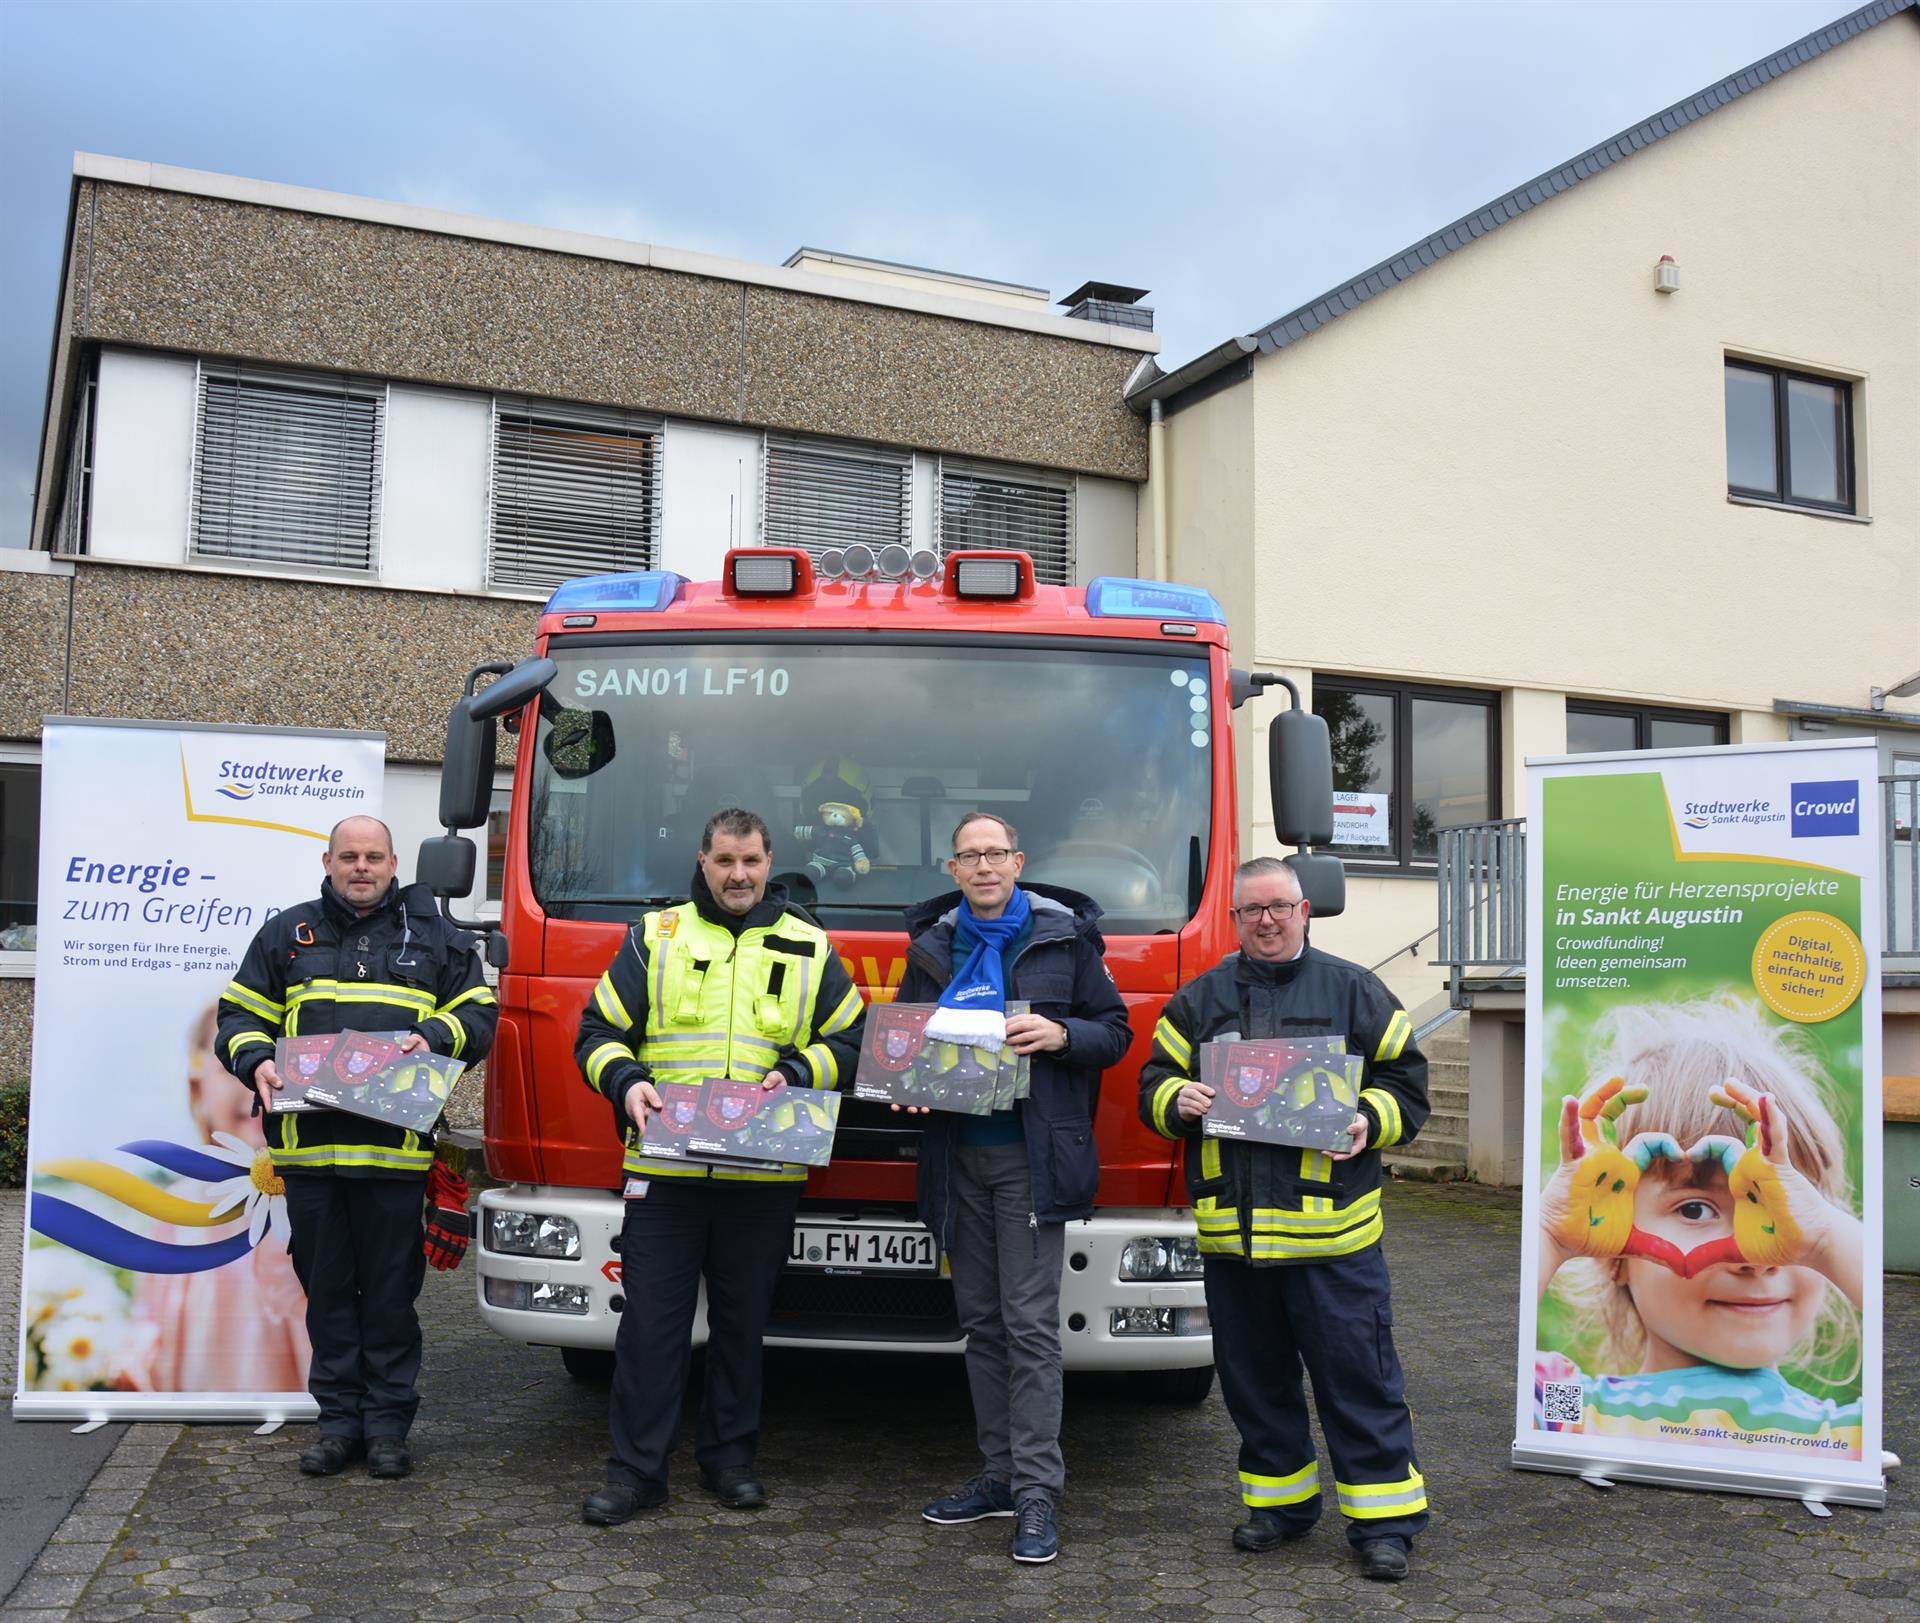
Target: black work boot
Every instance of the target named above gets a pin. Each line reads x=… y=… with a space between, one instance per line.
x=1384 y=1560
x=331 y=1455
x=388 y=1457
x=617 y=1502
x=735 y=1486
x=1262 y=1530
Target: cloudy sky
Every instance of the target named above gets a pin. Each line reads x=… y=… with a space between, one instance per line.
x=1236 y=158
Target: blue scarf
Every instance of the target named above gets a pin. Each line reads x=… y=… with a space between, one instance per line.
x=973 y=1008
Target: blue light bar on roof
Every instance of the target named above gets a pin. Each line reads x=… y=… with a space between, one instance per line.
x=1114 y=597
x=645 y=591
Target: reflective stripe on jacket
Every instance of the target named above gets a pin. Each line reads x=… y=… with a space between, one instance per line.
x=688 y=997
x=321 y=967
x=1260 y=1202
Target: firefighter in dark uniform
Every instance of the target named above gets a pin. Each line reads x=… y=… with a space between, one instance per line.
x=366 y=956
x=1290 y=1238
x=734 y=983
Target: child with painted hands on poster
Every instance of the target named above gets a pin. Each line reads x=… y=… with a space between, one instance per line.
x=1697 y=1235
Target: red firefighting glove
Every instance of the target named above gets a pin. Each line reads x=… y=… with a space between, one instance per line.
x=446 y=1238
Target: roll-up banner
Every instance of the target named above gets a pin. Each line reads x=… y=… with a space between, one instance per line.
x=1700 y=1288
x=156 y=1281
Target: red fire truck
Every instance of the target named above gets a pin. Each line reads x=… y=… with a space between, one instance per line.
x=1097 y=721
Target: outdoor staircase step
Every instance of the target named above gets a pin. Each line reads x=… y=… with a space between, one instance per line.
x=1427 y=1168
x=1447 y=1070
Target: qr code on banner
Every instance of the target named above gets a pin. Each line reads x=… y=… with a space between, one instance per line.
x=1561 y=1402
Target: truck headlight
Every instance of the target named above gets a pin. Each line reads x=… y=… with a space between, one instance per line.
x=532 y=1234
x=531 y=1298
x=1154 y=1257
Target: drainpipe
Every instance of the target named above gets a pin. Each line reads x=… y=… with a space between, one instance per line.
x=1157 y=477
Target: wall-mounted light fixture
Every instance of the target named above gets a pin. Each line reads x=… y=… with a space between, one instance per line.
x=1877 y=697
x=1666 y=275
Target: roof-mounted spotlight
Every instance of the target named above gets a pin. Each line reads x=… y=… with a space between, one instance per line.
x=858 y=559
x=925 y=564
x=831 y=564
x=893 y=561
x=768 y=572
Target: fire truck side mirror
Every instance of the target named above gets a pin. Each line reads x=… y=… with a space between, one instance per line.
x=1323 y=881
x=1300 y=769
x=446 y=865
x=466 y=770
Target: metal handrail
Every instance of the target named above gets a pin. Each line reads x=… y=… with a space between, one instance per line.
x=1900 y=864
x=1399 y=952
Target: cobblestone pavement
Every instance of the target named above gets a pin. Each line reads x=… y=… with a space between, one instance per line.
x=226 y=1530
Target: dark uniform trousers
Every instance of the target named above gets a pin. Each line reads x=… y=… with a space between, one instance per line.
x=735 y=1233
x=1336 y=1318
x=358 y=1255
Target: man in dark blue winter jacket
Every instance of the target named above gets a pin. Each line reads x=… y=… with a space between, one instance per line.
x=997 y=1189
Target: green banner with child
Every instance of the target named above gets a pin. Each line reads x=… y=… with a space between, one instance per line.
x=1700 y=1300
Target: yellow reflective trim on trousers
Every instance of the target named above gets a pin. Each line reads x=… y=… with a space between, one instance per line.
x=1179 y=1050
x=459 y=1031
x=1301 y=1485
x=1380 y=1501
x=1387 y=1108
x=601 y=1058
x=845 y=1015
x=1163 y=1097
x=1394 y=1039
x=261 y=1005
x=240 y=1038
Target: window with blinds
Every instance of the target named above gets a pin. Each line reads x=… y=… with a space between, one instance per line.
x=1018 y=508
x=820 y=494
x=286 y=467
x=576 y=491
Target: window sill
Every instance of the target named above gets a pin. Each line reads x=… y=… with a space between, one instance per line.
x=16 y=966
x=1796 y=507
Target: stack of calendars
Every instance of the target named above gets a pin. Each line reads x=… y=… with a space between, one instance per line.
x=723 y=1123
x=898 y=1066
x=365 y=1074
x=1303 y=1092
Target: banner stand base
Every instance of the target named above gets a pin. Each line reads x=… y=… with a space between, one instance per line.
x=1814 y=1494
x=1816 y=1509
x=269 y=1428
x=267 y=1410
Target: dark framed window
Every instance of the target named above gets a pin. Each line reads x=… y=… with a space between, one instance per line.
x=1408 y=761
x=19 y=853
x=1789 y=437
x=1593 y=727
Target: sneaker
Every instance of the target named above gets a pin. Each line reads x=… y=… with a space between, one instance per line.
x=1384 y=1560
x=1035 y=1538
x=979 y=1499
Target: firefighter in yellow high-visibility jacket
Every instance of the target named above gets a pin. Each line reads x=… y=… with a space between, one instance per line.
x=733 y=983
x=1290 y=1238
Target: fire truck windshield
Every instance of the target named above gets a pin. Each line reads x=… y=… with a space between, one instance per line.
x=868 y=756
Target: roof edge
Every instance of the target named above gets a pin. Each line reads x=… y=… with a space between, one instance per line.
x=1290 y=328
x=586 y=245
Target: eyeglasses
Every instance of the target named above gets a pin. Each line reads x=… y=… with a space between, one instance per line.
x=1254 y=911
x=998 y=857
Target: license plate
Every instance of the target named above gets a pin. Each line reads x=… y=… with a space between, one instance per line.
x=850 y=1250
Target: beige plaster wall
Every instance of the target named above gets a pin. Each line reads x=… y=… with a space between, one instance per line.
x=1512 y=469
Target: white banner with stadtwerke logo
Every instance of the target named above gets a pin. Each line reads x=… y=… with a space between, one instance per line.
x=156 y=1281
